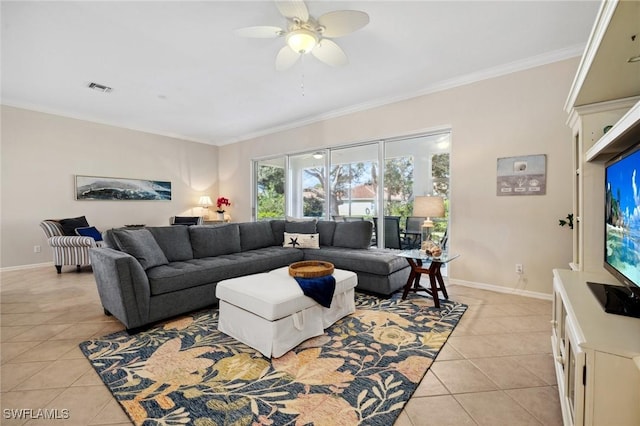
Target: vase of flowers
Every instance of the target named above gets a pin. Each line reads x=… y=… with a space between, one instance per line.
x=220 y=204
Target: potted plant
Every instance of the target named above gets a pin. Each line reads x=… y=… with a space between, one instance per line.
x=220 y=203
x=567 y=221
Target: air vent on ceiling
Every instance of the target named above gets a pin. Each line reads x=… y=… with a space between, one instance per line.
x=99 y=87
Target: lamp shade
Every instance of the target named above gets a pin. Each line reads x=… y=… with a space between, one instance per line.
x=205 y=201
x=428 y=206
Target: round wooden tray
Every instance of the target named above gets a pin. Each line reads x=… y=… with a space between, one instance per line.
x=310 y=269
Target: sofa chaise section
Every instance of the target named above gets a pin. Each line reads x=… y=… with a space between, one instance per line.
x=379 y=271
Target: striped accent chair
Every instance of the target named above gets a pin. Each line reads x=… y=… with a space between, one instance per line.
x=67 y=250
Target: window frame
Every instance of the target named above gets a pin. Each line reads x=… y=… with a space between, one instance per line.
x=380 y=144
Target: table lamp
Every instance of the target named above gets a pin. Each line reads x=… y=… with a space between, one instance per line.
x=428 y=207
x=205 y=202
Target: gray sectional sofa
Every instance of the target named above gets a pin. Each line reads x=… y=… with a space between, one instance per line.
x=150 y=274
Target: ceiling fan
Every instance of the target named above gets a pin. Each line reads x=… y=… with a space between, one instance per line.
x=306 y=34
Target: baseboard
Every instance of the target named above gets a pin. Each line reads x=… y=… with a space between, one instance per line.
x=500 y=289
x=31 y=266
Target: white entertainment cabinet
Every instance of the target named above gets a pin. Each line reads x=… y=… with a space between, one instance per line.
x=597 y=355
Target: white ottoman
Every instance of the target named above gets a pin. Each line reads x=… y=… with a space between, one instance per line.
x=270 y=313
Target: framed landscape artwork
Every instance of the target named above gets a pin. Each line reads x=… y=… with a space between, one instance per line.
x=526 y=175
x=108 y=188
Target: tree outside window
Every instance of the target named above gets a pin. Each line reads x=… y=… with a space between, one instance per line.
x=398 y=191
x=343 y=178
x=270 y=191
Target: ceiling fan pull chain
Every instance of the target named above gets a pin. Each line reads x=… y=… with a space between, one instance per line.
x=302 y=76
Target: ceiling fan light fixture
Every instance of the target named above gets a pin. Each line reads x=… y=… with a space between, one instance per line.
x=302 y=41
x=304 y=33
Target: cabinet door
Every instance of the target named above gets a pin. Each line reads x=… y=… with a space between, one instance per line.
x=558 y=327
x=574 y=376
x=616 y=391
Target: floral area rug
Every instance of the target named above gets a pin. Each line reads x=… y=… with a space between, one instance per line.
x=361 y=371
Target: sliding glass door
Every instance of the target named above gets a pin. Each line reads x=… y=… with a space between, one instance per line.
x=354 y=182
x=308 y=185
x=374 y=181
x=416 y=166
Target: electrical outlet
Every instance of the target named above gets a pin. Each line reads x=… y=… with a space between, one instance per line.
x=519 y=269
x=36 y=249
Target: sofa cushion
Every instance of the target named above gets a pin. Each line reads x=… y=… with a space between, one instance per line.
x=353 y=234
x=109 y=240
x=373 y=261
x=69 y=225
x=255 y=235
x=277 y=226
x=326 y=229
x=311 y=241
x=174 y=241
x=300 y=226
x=140 y=244
x=209 y=241
x=177 y=276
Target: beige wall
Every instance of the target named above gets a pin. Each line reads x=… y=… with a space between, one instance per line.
x=515 y=114
x=41 y=153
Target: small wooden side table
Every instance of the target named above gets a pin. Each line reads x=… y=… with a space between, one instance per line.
x=416 y=260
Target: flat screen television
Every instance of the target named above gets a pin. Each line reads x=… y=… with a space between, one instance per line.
x=622 y=235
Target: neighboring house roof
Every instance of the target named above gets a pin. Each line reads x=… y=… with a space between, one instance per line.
x=363 y=192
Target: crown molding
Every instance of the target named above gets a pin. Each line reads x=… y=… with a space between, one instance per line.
x=92 y=119
x=489 y=73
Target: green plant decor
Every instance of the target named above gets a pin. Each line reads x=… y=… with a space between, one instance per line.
x=567 y=221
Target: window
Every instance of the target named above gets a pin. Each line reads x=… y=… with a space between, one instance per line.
x=354 y=181
x=417 y=166
x=270 y=185
x=308 y=184
x=363 y=181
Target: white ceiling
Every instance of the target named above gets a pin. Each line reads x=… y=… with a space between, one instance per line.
x=178 y=69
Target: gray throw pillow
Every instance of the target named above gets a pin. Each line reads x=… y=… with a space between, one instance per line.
x=326 y=229
x=353 y=234
x=255 y=235
x=210 y=241
x=277 y=227
x=174 y=242
x=140 y=244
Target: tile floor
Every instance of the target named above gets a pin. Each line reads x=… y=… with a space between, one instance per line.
x=496 y=368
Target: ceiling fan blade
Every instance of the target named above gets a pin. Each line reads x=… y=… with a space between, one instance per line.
x=286 y=58
x=260 y=32
x=293 y=9
x=330 y=53
x=342 y=22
